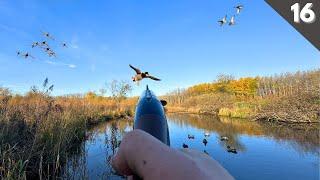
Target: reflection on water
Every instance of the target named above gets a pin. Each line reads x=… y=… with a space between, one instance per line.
x=264 y=151
x=102 y=142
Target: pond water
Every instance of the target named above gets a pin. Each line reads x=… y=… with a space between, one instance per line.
x=264 y=151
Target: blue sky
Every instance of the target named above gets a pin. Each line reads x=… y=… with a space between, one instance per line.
x=176 y=40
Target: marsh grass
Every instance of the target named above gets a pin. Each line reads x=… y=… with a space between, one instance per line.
x=38 y=132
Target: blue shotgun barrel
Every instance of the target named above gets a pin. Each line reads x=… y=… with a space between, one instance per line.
x=150 y=117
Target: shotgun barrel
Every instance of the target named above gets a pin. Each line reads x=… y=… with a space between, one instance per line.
x=150 y=116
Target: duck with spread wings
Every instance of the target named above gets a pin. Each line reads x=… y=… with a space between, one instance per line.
x=141 y=75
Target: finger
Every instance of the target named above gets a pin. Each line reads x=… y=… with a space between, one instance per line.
x=119 y=164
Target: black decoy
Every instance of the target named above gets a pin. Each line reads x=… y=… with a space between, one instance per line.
x=223 y=20
x=185 y=146
x=190 y=136
x=141 y=75
x=205 y=142
x=224 y=138
x=231 y=150
x=239 y=8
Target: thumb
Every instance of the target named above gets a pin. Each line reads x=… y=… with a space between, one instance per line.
x=119 y=162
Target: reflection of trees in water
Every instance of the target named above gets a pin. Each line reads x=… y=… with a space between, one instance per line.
x=113 y=135
x=117 y=130
x=76 y=165
x=303 y=138
x=110 y=134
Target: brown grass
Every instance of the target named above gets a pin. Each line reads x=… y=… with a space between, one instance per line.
x=38 y=132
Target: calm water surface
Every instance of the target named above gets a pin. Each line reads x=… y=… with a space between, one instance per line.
x=264 y=151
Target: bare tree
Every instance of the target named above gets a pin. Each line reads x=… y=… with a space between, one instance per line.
x=119 y=89
x=224 y=78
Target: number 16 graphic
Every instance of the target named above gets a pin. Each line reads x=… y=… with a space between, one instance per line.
x=307 y=15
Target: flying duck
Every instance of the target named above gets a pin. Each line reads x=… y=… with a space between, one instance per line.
x=47 y=35
x=239 y=8
x=223 y=20
x=141 y=75
x=64 y=45
x=50 y=52
x=35 y=44
x=26 y=55
x=44 y=44
x=232 y=21
x=185 y=146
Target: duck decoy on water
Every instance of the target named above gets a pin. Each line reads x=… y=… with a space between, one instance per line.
x=205 y=142
x=231 y=150
x=239 y=8
x=206 y=134
x=223 y=21
x=190 y=136
x=185 y=146
x=141 y=75
x=224 y=138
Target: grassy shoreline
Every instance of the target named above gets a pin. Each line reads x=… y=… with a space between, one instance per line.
x=39 y=132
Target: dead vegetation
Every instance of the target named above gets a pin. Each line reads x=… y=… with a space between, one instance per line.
x=38 y=131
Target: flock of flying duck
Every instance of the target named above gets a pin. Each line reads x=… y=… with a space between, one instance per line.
x=139 y=74
x=43 y=45
x=232 y=20
x=205 y=142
